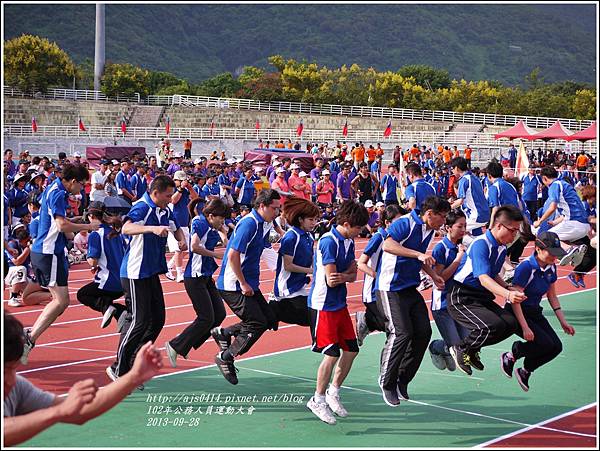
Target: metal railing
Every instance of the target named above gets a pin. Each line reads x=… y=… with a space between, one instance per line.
x=308 y=108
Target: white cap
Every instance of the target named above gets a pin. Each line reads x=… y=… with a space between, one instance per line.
x=303 y=174
x=279 y=170
x=276 y=163
x=178 y=155
x=197 y=161
x=379 y=204
x=294 y=166
x=231 y=161
x=325 y=172
x=76 y=154
x=179 y=175
x=368 y=203
x=115 y=162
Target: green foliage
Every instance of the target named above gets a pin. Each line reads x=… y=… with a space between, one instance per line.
x=125 y=79
x=85 y=74
x=222 y=85
x=426 y=76
x=267 y=87
x=159 y=81
x=34 y=62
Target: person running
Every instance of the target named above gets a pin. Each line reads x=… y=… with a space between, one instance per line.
x=331 y=327
x=294 y=263
x=536 y=277
x=106 y=248
x=239 y=285
x=475 y=285
x=588 y=193
x=147 y=224
x=48 y=256
x=447 y=254
x=470 y=199
x=372 y=319
x=406 y=319
x=207 y=232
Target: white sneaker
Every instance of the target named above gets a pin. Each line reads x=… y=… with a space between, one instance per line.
x=27 y=347
x=578 y=255
x=15 y=302
x=569 y=256
x=169 y=275
x=335 y=404
x=111 y=374
x=108 y=315
x=179 y=277
x=321 y=410
x=172 y=354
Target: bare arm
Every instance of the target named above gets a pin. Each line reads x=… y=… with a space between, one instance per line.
x=549 y=212
x=66 y=226
x=498 y=287
x=395 y=248
x=18 y=261
x=457 y=203
x=130 y=228
x=362 y=264
x=518 y=311
x=197 y=248
x=290 y=266
x=555 y=304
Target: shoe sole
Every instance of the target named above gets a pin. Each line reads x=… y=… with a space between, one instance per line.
x=110 y=374
x=578 y=256
x=107 y=319
x=523 y=386
x=326 y=422
x=453 y=354
x=170 y=352
x=386 y=401
x=502 y=368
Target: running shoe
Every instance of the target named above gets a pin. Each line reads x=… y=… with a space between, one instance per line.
x=28 y=345
x=581 y=281
x=450 y=363
x=222 y=340
x=336 y=406
x=573 y=279
x=362 y=330
x=227 y=369
x=108 y=315
x=171 y=354
x=15 y=302
x=390 y=397
x=475 y=360
x=169 y=275
x=438 y=360
x=578 y=256
x=402 y=391
x=462 y=360
x=523 y=378
x=507 y=364
x=569 y=256
x=321 y=410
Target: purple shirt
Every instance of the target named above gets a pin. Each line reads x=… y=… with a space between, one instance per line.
x=173 y=168
x=343 y=183
x=12 y=168
x=373 y=218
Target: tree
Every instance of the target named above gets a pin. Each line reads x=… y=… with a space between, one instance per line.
x=85 y=74
x=160 y=80
x=250 y=74
x=125 y=79
x=33 y=62
x=267 y=88
x=222 y=85
x=584 y=105
x=426 y=76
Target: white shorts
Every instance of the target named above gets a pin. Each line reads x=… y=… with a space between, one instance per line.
x=16 y=274
x=172 y=242
x=472 y=224
x=570 y=230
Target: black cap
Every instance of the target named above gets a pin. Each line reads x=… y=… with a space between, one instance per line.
x=549 y=241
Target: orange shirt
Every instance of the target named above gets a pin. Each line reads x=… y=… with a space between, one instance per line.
x=468 y=151
x=440 y=148
x=582 y=160
x=358 y=153
x=447 y=154
x=379 y=152
x=415 y=151
x=405 y=156
x=371 y=154
x=456 y=153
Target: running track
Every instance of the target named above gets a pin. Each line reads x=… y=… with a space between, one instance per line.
x=75 y=347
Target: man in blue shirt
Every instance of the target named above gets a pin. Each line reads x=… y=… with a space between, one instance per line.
x=406 y=319
x=239 y=284
x=532 y=185
x=123 y=182
x=512 y=155
x=138 y=182
x=148 y=223
x=419 y=189
x=470 y=198
x=389 y=186
x=244 y=188
x=48 y=256
x=500 y=191
x=471 y=301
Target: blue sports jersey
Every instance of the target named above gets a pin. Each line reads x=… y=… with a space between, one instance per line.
x=484 y=256
x=122 y=182
x=211 y=190
x=567 y=201
x=202 y=265
x=374 y=250
x=389 y=185
x=444 y=254
x=246 y=191
x=17 y=199
x=531 y=184
x=145 y=255
x=397 y=273
x=139 y=185
x=420 y=190
x=535 y=280
x=249 y=238
x=502 y=193
x=180 y=209
x=109 y=252
x=296 y=243
x=475 y=204
x=49 y=239
x=333 y=248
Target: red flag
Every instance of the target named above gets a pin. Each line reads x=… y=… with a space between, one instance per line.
x=300 y=127
x=388 y=130
x=33 y=124
x=345 y=129
x=212 y=125
x=80 y=124
x=123 y=125
x=257 y=125
x=168 y=125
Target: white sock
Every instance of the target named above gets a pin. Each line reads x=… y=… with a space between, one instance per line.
x=320 y=399
x=333 y=390
x=179 y=271
x=171 y=263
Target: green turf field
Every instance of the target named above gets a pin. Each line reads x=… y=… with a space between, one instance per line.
x=446 y=410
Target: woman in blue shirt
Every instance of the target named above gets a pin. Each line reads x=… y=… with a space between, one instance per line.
x=106 y=248
x=536 y=277
x=294 y=263
x=447 y=254
x=371 y=319
x=207 y=231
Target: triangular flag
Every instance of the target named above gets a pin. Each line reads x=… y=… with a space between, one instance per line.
x=257 y=126
x=212 y=125
x=33 y=124
x=388 y=130
x=168 y=125
x=123 y=125
x=522 y=165
x=345 y=129
x=80 y=124
x=300 y=127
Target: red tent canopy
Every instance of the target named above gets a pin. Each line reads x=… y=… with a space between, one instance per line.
x=555 y=131
x=518 y=131
x=584 y=135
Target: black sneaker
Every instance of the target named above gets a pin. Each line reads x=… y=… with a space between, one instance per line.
x=222 y=340
x=523 y=378
x=390 y=397
x=228 y=370
x=475 y=361
x=507 y=363
x=461 y=359
x=402 y=391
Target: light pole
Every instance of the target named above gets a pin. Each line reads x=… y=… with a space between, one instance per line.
x=99 y=49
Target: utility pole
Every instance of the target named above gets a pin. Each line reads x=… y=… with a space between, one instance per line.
x=100 y=54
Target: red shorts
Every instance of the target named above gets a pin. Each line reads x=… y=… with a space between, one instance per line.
x=332 y=331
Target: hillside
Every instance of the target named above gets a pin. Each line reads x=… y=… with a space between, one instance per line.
x=497 y=42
